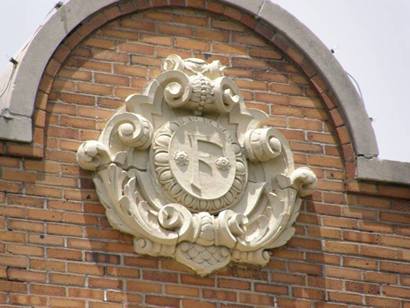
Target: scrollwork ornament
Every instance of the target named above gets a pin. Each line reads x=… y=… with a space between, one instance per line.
x=304 y=181
x=226 y=94
x=92 y=154
x=262 y=145
x=193 y=174
x=135 y=131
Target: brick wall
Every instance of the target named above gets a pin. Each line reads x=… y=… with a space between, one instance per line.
x=352 y=247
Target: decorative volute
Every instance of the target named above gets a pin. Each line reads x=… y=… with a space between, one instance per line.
x=193 y=174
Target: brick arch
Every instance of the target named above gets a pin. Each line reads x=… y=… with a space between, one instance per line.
x=277 y=26
x=287 y=49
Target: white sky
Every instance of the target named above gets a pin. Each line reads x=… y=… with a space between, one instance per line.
x=371 y=39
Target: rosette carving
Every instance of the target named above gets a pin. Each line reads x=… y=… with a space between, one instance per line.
x=193 y=174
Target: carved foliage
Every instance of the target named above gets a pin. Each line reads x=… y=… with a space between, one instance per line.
x=193 y=174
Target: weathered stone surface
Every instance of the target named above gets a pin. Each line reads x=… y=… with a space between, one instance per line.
x=193 y=174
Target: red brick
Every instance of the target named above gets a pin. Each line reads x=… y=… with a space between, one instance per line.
x=227 y=25
x=363 y=288
x=341 y=247
x=323 y=258
x=360 y=263
x=137 y=24
x=377 y=251
x=142 y=286
x=340 y=272
x=162 y=301
x=23 y=275
x=25 y=250
x=21 y=299
x=265 y=53
x=255 y=299
x=123 y=272
x=108 y=304
x=308 y=293
x=83 y=268
x=13 y=236
x=233 y=284
x=313 y=269
x=208 y=34
x=67 y=279
x=15 y=175
x=271 y=288
x=11 y=286
x=86 y=293
x=187 y=303
x=396 y=291
x=191 y=44
x=193 y=280
x=45 y=289
x=225 y=48
x=75 y=74
x=46 y=240
x=65 y=302
x=64 y=254
x=394 y=267
x=89 y=88
x=174 y=30
x=346 y=297
x=130 y=70
x=222 y=295
x=382 y=302
x=40 y=264
x=100 y=43
x=64 y=85
x=380 y=277
x=105 y=283
x=89 y=65
x=120 y=296
x=160 y=276
x=294 y=279
x=325 y=283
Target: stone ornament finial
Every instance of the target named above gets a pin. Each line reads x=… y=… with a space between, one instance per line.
x=193 y=174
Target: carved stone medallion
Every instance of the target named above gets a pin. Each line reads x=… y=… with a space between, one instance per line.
x=193 y=174
x=199 y=164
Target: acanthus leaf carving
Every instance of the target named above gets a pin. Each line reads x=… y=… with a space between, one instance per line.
x=193 y=174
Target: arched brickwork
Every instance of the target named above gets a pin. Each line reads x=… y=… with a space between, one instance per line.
x=115 y=11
